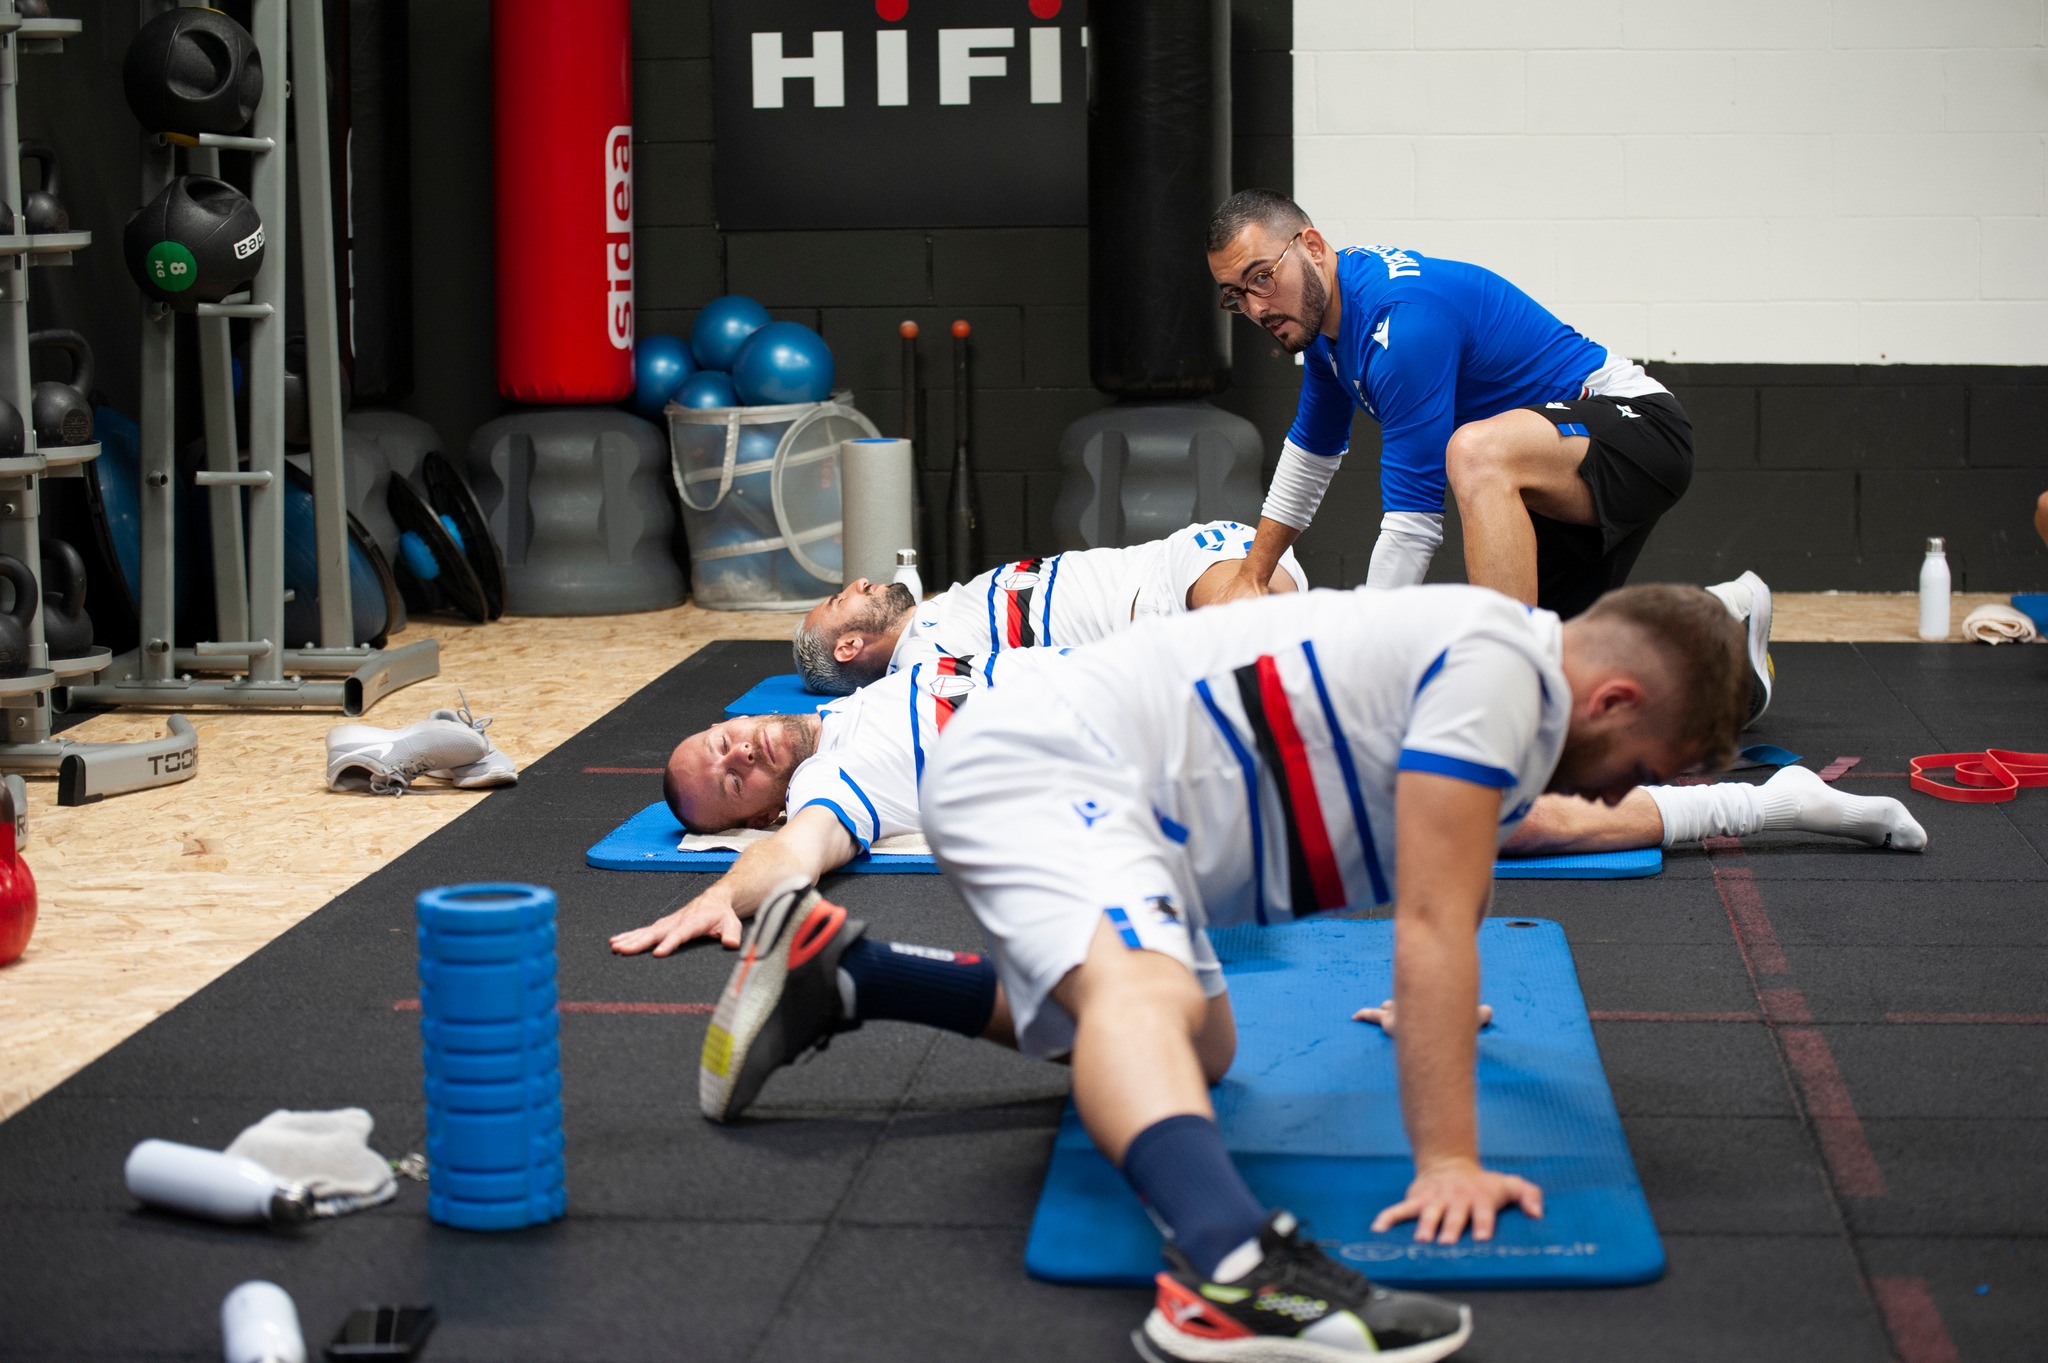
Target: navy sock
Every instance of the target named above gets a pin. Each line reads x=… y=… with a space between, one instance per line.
x=895 y=982
x=1181 y=1170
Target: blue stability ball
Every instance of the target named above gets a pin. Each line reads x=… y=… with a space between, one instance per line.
x=660 y=364
x=783 y=362
x=723 y=327
x=707 y=388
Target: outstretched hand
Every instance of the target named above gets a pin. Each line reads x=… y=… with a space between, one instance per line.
x=1384 y=1016
x=704 y=916
x=1445 y=1198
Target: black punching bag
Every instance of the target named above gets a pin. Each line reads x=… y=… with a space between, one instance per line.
x=1158 y=165
x=1160 y=458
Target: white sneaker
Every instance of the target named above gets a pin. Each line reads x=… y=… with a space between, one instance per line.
x=494 y=769
x=1749 y=600
x=387 y=761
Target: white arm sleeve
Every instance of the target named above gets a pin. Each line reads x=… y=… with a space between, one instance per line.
x=1408 y=541
x=1298 y=485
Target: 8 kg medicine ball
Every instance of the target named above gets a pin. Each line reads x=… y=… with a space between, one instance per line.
x=193 y=71
x=197 y=242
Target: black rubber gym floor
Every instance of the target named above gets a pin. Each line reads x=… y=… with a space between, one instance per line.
x=1832 y=1063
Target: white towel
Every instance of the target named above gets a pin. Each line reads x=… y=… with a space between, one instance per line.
x=1996 y=624
x=740 y=839
x=328 y=1152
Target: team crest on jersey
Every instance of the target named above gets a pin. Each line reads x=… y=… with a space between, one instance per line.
x=948 y=688
x=1017 y=582
x=1091 y=812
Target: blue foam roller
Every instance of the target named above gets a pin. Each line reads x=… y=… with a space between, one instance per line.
x=474 y=1185
x=493 y=1140
x=490 y=1037
x=493 y=1066
x=500 y=992
x=1312 y=1115
x=502 y=1095
x=783 y=694
x=463 y=1215
x=2033 y=605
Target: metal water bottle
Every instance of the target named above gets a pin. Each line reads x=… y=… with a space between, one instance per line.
x=1934 y=587
x=259 y=1324
x=215 y=1185
x=906 y=572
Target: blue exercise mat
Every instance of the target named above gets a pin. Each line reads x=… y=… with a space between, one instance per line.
x=1312 y=1117
x=647 y=842
x=780 y=695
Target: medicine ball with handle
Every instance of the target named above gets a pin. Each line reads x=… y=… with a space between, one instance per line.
x=191 y=71
x=41 y=210
x=62 y=412
x=197 y=242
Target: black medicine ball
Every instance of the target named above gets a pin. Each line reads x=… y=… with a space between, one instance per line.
x=193 y=71
x=197 y=242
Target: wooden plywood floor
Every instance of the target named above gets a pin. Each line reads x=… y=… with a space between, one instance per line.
x=146 y=898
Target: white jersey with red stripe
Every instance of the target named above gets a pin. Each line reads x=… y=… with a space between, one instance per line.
x=1079 y=597
x=872 y=744
x=1268 y=735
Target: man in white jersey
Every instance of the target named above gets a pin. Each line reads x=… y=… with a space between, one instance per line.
x=1562 y=454
x=847 y=776
x=852 y=638
x=1099 y=810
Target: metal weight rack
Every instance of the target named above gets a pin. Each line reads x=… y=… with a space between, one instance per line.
x=86 y=771
x=252 y=667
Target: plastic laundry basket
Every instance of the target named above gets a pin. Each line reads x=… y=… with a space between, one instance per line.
x=760 y=492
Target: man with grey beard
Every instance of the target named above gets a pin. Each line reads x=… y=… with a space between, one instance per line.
x=1079 y=597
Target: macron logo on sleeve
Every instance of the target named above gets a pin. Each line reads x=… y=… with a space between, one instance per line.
x=1380 y=332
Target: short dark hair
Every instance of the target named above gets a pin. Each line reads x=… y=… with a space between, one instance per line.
x=1707 y=652
x=1267 y=207
x=673 y=794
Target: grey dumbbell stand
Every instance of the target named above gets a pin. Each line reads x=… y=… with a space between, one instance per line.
x=86 y=771
x=250 y=667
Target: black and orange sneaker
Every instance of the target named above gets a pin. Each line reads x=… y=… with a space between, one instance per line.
x=1297 y=1306
x=782 y=1000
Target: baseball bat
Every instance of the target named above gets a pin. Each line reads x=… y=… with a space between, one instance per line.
x=963 y=524
x=919 y=530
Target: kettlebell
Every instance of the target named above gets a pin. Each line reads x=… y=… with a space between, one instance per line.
x=17 y=886
x=42 y=210
x=14 y=623
x=67 y=629
x=13 y=438
x=62 y=412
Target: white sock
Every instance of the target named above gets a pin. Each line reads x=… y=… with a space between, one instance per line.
x=1796 y=799
x=1238 y=1262
x=1726 y=809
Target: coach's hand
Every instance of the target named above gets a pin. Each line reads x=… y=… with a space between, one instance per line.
x=708 y=915
x=1243 y=586
x=1444 y=1198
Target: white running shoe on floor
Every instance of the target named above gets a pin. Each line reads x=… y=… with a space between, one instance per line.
x=1749 y=600
x=387 y=761
x=495 y=769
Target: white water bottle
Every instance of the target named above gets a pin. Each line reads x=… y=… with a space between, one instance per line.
x=217 y=1186
x=1934 y=586
x=906 y=572
x=259 y=1324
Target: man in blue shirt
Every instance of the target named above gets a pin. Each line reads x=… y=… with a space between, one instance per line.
x=1561 y=453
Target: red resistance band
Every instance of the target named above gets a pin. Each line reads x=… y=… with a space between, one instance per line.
x=1996 y=774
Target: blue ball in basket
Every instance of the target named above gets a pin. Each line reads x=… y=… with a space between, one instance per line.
x=707 y=388
x=783 y=362
x=660 y=364
x=723 y=327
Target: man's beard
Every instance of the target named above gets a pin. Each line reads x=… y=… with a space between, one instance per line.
x=799 y=742
x=1315 y=305
x=880 y=612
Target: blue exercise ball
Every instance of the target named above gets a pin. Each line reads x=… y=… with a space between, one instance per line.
x=783 y=362
x=707 y=388
x=660 y=364
x=723 y=327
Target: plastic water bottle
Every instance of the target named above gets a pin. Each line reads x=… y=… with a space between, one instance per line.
x=215 y=1185
x=1934 y=584
x=259 y=1324
x=906 y=572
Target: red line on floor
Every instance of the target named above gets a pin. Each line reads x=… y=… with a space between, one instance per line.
x=622 y=771
x=1833 y=770
x=1834 y=1115
x=1914 y=1321
x=1784 y=1006
x=1753 y=934
x=1629 y=1015
x=1995 y=1019
x=1873 y=775
x=594 y=1006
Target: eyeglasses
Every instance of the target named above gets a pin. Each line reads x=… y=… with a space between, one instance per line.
x=1261 y=284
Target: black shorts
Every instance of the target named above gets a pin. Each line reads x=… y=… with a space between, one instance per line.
x=1637 y=466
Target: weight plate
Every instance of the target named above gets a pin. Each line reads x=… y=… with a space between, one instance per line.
x=451 y=496
x=446 y=569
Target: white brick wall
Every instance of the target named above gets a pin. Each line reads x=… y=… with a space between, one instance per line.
x=1776 y=181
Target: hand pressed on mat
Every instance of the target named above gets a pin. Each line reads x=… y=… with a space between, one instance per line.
x=1448 y=1195
x=1384 y=1015
x=809 y=845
